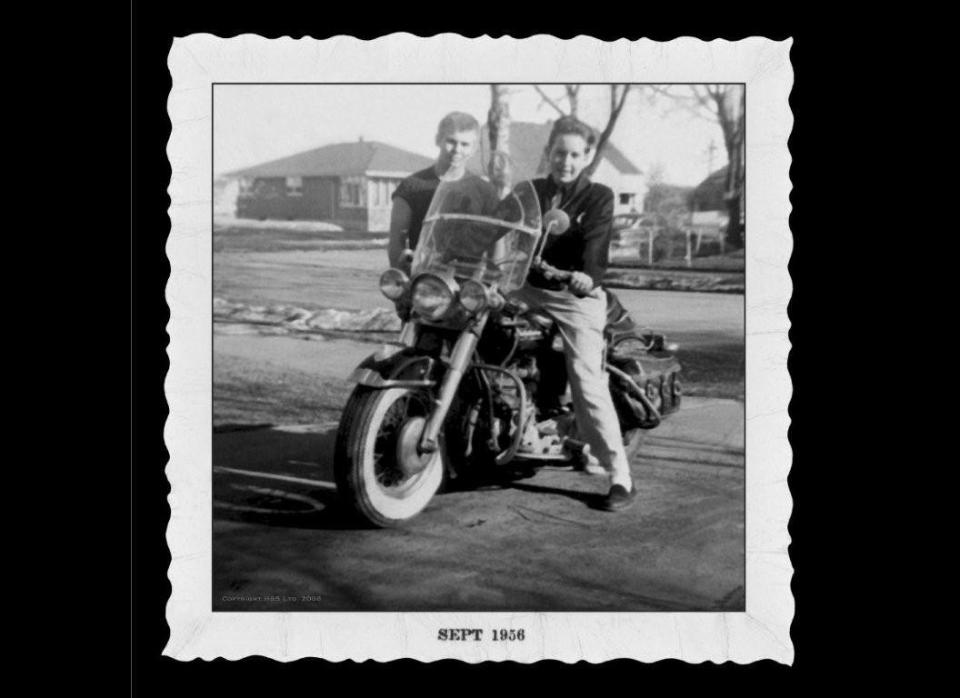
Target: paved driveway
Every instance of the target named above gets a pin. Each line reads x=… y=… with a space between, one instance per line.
x=280 y=542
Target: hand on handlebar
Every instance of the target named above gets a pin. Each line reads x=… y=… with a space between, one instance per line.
x=580 y=284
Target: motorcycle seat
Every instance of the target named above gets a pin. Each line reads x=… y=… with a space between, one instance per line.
x=618 y=319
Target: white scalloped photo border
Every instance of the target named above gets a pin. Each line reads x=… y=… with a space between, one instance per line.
x=762 y=631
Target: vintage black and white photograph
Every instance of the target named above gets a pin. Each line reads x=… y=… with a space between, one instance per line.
x=479 y=350
x=478 y=347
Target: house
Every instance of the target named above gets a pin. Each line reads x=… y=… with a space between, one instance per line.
x=349 y=184
x=225 y=193
x=709 y=194
x=528 y=141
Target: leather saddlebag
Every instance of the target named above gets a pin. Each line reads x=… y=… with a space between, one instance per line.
x=655 y=372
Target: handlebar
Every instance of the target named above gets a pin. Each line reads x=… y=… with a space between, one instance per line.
x=551 y=273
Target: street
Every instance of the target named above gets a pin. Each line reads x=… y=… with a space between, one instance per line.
x=281 y=541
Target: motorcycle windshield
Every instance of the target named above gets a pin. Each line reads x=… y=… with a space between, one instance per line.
x=472 y=232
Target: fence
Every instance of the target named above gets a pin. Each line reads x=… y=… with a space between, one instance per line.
x=692 y=240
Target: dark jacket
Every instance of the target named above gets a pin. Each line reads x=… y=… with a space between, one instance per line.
x=586 y=243
x=418 y=190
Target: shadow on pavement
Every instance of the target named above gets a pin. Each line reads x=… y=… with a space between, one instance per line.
x=283 y=478
x=591 y=499
x=520 y=541
x=230 y=427
x=278 y=478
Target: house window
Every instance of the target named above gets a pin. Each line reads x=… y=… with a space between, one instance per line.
x=380 y=192
x=294 y=186
x=626 y=199
x=351 y=192
x=246 y=185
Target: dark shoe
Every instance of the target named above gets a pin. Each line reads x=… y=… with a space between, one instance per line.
x=618 y=498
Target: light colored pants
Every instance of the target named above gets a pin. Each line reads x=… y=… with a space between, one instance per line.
x=581 y=322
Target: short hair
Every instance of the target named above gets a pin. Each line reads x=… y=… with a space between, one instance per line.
x=571 y=125
x=457 y=121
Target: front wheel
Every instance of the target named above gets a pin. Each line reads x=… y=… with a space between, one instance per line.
x=379 y=469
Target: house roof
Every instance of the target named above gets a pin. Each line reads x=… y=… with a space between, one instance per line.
x=709 y=193
x=527 y=143
x=340 y=159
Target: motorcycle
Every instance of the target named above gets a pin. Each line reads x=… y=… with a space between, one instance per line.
x=468 y=391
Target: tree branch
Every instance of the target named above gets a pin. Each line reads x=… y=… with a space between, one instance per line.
x=616 y=106
x=675 y=100
x=623 y=99
x=702 y=99
x=663 y=91
x=572 y=92
x=660 y=90
x=549 y=101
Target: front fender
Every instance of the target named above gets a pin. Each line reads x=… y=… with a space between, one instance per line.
x=395 y=367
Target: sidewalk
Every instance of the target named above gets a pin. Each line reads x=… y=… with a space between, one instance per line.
x=676 y=280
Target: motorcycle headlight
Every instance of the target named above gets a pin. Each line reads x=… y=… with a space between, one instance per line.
x=393 y=283
x=431 y=297
x=473 y=296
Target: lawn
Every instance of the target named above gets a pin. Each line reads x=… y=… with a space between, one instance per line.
x=240 y=238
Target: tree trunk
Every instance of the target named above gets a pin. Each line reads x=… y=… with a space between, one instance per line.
x=498 y=126
x=573 y=98
x=730 y=112
x=725 y=103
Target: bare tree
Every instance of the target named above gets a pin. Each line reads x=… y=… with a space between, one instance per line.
x=616 y=106
x=618 y=97
x=572 y=95
x=657 y=174
x=498 y=126
x=725 y=104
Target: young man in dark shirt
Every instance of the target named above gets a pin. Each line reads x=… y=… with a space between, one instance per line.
x=458 y=136
x=585 y=246
x=579 y=307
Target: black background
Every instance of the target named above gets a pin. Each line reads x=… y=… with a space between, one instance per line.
x=820 y=588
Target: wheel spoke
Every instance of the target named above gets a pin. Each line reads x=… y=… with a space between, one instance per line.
x=380 y=470
x=387 y=471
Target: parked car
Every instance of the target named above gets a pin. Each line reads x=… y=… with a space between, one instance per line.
x=634 y=234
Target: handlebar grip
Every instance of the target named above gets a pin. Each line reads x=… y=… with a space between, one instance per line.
x=559 y=275
x=551 y=273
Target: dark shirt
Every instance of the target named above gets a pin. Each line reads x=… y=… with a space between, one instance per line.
x=418 y=190
x=585 y=245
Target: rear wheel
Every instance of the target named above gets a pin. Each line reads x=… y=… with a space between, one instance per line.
x=379 y=468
